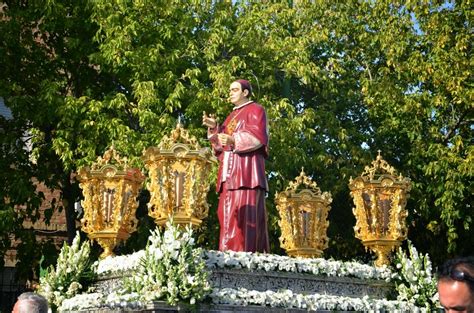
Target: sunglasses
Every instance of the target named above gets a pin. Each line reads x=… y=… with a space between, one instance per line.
x=461 y=276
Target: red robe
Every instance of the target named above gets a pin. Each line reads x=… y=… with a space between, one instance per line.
x=241 y=181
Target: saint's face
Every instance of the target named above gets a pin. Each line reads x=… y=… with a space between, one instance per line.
x=236 y=95
x=455 y=296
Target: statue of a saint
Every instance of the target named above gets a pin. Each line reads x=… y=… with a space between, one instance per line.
x=241 y=145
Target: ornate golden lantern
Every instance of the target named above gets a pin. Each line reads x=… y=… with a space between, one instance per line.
x=110 y=189
x=303 y=218
x=380 y=198
x=178 y=171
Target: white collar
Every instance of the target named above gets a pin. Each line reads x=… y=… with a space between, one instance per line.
x=242 y=105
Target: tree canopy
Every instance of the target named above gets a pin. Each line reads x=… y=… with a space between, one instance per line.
x=339 y=82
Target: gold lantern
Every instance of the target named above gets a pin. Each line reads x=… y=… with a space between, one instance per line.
x=303 y=218
x=110 y=189
x=380 y=198
x=178 y=171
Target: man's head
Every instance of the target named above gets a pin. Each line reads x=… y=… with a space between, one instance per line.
x=456 y=285
x=240 y=91
x=30 y=302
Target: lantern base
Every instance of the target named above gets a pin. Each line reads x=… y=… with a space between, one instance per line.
x=382 y=249
x=181 y=220
x=305 y=252
x=108 y=240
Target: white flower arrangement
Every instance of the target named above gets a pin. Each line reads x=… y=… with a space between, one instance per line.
x=73 y=267
x=82 y=302
x=257 y=261
x=112 y=300
x=312 y=302
x=171 y=269
x=272 y=262
x=414 y=281
x=113 y=265
x=243 y=297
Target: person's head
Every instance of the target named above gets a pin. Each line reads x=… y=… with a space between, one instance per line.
x=240 y=91
x=456 y=285
x=30 y=302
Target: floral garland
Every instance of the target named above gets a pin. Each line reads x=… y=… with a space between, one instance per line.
x=243 y=297
x=112 y=300
x=119 y=265
x=257 y=261
x=312 y=302
x=272 y=262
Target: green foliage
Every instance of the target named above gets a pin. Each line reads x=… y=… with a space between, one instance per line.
x=419 y=96
x=43 y=60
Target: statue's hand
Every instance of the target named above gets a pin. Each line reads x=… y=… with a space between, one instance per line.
x=225 y=139
x=208 y=120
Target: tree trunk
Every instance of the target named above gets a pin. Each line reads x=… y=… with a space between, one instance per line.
x=70 y=194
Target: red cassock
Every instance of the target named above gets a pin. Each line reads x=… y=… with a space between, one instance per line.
x=241 y=181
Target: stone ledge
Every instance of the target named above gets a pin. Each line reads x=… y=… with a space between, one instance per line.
x=297 y=282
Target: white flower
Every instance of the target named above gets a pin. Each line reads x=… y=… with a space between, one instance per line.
x=157 y=253
x=288 y=299
x=269 y=262
x=414 y=281
x=190 y=279
x=169 y=269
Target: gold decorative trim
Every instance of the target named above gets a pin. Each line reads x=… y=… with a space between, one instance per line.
x=380 y=197
x=178 y=171
x=303 y=217
x=110 y=188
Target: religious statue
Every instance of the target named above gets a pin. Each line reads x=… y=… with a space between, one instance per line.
x=241 y=146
